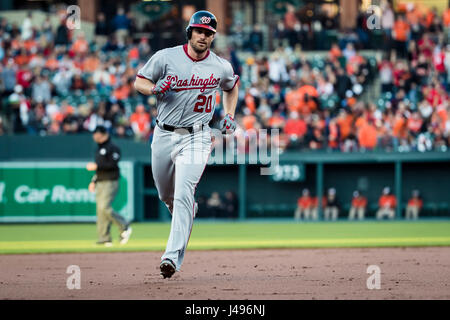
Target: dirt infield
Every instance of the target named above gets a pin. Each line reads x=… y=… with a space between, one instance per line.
x=406 y=273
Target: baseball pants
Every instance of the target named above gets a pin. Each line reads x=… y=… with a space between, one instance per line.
x=178 y=161
x=105 y=191
x=412 y=212
x=360 y=212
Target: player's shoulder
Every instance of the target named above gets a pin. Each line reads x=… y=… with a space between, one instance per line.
x=168 y=51
x=222 y=61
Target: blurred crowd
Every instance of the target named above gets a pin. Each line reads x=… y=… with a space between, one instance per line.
x=320 y=103
x=54 y=81
x=333 y=207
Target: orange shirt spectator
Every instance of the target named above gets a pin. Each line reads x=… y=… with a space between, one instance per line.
x=295 y=127
x=413 y=16
x=91 y=63
x=122 y=92
x=416 y=202
x=399 y=128
x=401 y=30
x=315 y=203
x=446 y=18
x=249 y=121
x=306 y=103
x=367 y=136
x=415 y=123
x=140 y=121
x=80 y=45
x=250 y=102
x=333 y=136
x=304 y=202
x=133 y=54
x=360 y=122
x=345 y=125
x=387 y=200
x=335 y=52
x=276 y=121
x=292 y=99
x=359 y=202
x=52 y=63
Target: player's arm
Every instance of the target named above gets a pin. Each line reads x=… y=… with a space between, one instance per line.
x=230 y=99
x=144 y=86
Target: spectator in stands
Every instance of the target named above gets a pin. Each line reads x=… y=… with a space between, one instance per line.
x=41 y=89
x=331 y=209
x=62 y=34
x=121 y=26
x=140 y=123
x=101 y=30
x=367 y=136
x=215 y=205
x=295 y=128
x=315 y=206
x=8 y=78
x=303 y=206
x=27 y=27
x=401 y=34
x=387 y=204
x=387 y=23
x=358 y=206
x=415 y=204
x=231 y=205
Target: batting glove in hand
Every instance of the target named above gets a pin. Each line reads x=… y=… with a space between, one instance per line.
x=162 y=87
x=227 y=124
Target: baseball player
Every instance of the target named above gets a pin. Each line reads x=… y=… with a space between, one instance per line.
x=185 y=80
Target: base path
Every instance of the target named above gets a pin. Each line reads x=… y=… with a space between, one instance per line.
x=406 y=273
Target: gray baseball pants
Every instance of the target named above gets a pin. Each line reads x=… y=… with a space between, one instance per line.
x=178 y=161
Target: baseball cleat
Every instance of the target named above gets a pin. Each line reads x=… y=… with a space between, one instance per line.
x=167 y=268
x=105 y=243
x=125 y=236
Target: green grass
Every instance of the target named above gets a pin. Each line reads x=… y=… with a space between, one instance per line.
x=49 y=238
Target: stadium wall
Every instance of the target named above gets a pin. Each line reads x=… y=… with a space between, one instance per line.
x=260 y=196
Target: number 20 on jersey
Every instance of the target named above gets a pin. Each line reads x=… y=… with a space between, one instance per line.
x=204 y=103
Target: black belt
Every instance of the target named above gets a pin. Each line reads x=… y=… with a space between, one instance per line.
x=172 y=128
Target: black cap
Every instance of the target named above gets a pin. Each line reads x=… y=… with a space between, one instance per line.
x=100 y=129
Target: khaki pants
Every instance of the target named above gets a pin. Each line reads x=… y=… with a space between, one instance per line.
x=299 y=212
x=412 y=212
x=331 y=212
x=121 y=35
x=101 y=40
x=390 y=213
x=356 y=211
x=105 y=191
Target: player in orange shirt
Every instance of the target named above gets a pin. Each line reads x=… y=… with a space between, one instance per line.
x=414 y=206
x=303 y=206
x=358 y=207
x=315 y=206
x=387 y=204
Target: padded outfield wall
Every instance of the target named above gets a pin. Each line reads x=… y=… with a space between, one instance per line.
x=54 y=166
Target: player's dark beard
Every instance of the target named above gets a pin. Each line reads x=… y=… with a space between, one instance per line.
x=197 y=49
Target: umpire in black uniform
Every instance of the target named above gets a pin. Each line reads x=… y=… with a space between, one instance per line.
x=105 y=184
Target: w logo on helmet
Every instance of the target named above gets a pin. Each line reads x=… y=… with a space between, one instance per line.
x=205 y=19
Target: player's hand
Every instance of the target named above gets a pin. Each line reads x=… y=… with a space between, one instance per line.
x=91 y=166
x=162 y=87
x=91 y=187
x=227 y=124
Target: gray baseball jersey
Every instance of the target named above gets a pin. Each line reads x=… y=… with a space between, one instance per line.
x=195 y=83
x=175 y=168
